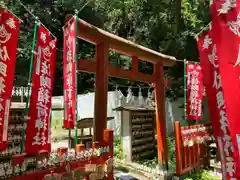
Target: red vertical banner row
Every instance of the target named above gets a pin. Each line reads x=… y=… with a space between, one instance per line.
x=9 y=28
x=194 y=91
x=69 y=73
x=225 y=27
x=39 y=114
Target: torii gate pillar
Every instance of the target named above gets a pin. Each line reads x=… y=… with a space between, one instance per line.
x=101 y=92
x=160 y=116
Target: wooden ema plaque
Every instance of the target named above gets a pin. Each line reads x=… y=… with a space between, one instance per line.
x=143 y=135
x=138 y=134
x=11 y=161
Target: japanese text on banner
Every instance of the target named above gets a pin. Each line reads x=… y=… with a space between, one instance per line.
x=217 y=108
x=69 y=73
x=9 y=27
x=194 y=91
x=225 y=26
x=37 y=137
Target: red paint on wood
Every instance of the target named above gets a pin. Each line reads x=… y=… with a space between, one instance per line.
x=113 y=71
x=178 y=147
x=80 y=147
x=188 y=158
x=160 y=114
x=100 y=108
x=109 y=138
x=135 y=64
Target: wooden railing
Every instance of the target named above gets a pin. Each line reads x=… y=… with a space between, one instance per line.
x=191 y=146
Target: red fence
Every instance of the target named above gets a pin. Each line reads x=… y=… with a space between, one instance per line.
x=191 y=146
x=94 y=166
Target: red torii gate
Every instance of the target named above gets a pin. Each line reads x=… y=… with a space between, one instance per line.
x=106 y=41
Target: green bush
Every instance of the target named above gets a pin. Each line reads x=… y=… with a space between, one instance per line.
x=118 y=152
x=202 y=175
x=171 y=155
x=152 y=163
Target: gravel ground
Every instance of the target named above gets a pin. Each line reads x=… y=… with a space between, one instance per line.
x=118 y=173
x=216 y=174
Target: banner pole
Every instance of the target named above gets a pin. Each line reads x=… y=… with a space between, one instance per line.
x=76 y=55
x=23 y=133
x=185 y=90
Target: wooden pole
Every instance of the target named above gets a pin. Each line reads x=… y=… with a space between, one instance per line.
x=76 y=56
x=160 y=117
x=185 y=90
x=70 y=142
x=70 y=145
x=23 y=132
x=178 y=147
x=101 y=92
x=135 y=64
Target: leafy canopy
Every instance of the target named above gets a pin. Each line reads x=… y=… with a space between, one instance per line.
x=167 y=26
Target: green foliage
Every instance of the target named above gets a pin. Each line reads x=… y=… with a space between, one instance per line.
x=171 y=157
x=202 y=175
x=164 y=25
x=118 y=152
x=151 y=162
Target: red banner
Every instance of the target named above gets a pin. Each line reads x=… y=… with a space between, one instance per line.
x=39 y=115
x=216 y=104
x=69 y=74
x=194 y=91
x=226 y=19
x=9 y=28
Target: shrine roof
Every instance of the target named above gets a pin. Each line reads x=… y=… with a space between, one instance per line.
x=117 y=44
x=91 y=118
x=133 y=108
x=88 y=122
